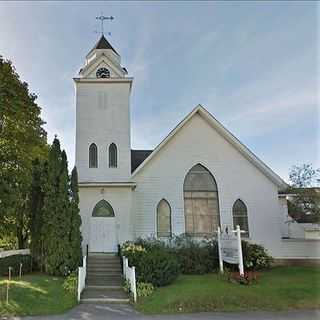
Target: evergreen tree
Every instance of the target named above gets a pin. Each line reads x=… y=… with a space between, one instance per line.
x=56 y=224
x=36 y=202
x=75 y=224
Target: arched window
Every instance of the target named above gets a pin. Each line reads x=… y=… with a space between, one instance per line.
x=93 y=156
x=164 y=219
x=103 y=209
x=201 y=203
x=240 y=216
x=113 y=161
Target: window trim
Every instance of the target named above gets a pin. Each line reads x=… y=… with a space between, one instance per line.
x=247 y=233
x=215 y=191
x=170 y=218
x=115 y=149
x=91 y=165
x=98 y=205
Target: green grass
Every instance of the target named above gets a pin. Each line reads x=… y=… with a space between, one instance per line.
x=35 y=294
x=281 y=288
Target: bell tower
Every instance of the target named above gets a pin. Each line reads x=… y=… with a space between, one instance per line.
x=103 y=152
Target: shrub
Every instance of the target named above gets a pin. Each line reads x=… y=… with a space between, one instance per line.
x=154 y=264
x=255 y=256
x=144 y=289
x=70 y=284
x=14 y=262
x=196 y=257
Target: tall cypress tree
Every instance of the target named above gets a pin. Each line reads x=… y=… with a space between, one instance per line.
x=36 y=202
x=75 y=238
x=56 y=212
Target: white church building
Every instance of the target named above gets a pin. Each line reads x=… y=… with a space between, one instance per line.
x=199 y=177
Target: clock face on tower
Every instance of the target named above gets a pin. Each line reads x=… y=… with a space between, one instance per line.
x=103 y=73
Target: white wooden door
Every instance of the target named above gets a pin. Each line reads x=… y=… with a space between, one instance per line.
x=103 y=235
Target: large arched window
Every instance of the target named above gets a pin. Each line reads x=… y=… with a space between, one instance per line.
x=103 y=209
x=113 y=157
x=201 y=203
x=93 y=156
x=240 y=216
x=164 y=219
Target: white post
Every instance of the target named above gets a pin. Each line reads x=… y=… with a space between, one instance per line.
x=124 y=266
x=240 y=251
x=219 y=251
x=133 y=284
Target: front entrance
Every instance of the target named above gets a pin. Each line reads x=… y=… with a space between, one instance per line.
x=103 y=231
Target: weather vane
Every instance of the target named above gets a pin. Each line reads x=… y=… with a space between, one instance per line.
x=102 y=18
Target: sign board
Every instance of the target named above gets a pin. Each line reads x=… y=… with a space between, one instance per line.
x=229 y=245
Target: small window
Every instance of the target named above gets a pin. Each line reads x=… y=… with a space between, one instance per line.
x=93 y=156
x=103 y=209
x=113 y=161
x=164 y=219
x=240 y=216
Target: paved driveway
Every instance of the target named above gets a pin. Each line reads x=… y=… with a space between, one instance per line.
x=126 y=312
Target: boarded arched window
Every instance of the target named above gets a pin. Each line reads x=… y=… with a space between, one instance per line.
x=240 y=216
x=113 y=157
x=103 y=209
x=164 y=219
x=93 y=156
x=201 y=203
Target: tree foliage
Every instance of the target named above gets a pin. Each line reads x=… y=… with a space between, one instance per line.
x=61 y=223
x=304 y=205
x=22 y=139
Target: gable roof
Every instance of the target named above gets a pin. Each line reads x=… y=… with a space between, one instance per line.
x=103 y=43
x=250 y=156
x=137 y=157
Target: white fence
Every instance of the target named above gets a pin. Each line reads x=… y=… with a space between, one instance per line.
x=129 y=274
x=82 y=273
x=9 y=253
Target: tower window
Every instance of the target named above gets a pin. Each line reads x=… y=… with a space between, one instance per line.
x=93 y=156
x=103 y=73
x=113 y=161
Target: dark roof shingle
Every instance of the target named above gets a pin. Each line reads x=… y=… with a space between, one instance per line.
x=137 y=157
x=103 y=43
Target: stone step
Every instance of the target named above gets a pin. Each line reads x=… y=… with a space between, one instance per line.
x=103 y=283
x=106 y=268
x=90 y=257
x=101 y=287
x=103 y=293
x=104 y=279
x=104 y=300
x=104 y=274
x=103 y=262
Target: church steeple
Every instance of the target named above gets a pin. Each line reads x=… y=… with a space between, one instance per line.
x=103 y=61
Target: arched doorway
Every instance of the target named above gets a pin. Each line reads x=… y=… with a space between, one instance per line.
x=103 y=237
x=201 y=202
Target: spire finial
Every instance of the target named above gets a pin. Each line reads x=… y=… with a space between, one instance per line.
x=102 y=18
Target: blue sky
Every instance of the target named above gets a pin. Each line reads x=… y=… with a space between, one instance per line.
x=254 y=66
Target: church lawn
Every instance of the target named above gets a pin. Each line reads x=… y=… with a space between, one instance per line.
x=35 y=294
x=282 y=288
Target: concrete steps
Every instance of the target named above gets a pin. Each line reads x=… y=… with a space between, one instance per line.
x=104 y=295
x=104 y=280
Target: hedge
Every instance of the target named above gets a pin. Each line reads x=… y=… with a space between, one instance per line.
x=14 y=262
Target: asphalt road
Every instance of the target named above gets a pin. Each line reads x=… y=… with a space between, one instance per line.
x=126 y=312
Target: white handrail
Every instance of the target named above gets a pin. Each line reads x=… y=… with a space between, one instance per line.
x=82 y=273
x=129 y=273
